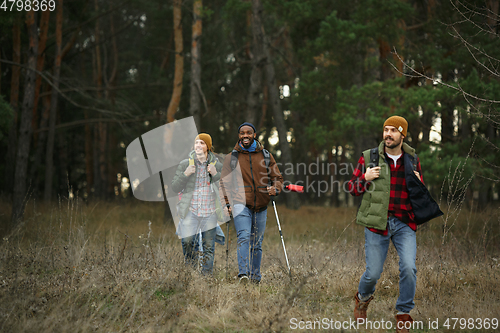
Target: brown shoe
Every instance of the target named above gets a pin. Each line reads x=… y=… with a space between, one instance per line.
x=401 y=324
x=360 y=307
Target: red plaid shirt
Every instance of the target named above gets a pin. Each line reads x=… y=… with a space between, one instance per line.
x=203 y=201
x=399 y=202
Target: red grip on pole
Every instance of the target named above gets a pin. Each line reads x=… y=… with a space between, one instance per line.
x=295 y=188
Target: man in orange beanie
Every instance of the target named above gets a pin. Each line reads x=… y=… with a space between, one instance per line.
x=196 y=179
x=387 y=214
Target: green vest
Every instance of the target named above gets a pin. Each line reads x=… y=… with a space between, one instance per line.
x=375 y=204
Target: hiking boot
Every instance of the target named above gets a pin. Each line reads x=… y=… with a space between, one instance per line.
x=255 y=281
x=243 y=279
x=360 y=307
x=402 y=325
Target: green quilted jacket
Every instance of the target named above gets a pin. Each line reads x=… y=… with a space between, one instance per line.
x=184 y=184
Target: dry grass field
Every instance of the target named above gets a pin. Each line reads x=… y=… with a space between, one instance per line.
x=101 y=267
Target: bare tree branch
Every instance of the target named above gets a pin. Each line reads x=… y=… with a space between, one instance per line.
x=469 y=46
x=418 y=74
x=122 y=87
x=103 y=111
x=97 y=120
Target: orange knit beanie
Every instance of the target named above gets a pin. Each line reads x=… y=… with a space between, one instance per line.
x=399 y=122
x=206 y=138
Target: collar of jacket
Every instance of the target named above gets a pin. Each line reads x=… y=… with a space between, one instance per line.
x=259 y=147
x=210 y=156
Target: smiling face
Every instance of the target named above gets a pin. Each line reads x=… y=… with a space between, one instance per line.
x=246 y=136
x=392 y=137
x=200 y=147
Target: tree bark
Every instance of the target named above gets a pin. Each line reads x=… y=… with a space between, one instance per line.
x=89 y=158
x=100 y=131
x=14 y=102
x=166 y=59
x=44 y=29
x=194 y=106
x=179 y=63
x=274 y=97
x=258 y=61
x=25 y=129
x=41 y=147
x=111 y=168
x=447 y=119
x=492 y=16
x=49 y=156
x=263 y=113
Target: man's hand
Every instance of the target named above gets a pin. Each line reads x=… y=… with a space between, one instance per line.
x=418 y=175
x=212 y=170
x=227 y=210
x=372 y=173
x=190 y=170
x=271 y=190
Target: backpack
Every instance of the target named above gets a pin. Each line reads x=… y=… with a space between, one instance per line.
x=374 y=157
x=191 y=162
x=424 y=206
x=267 y=160
x=218 y=207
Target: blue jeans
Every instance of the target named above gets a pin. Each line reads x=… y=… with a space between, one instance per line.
x=376 y=247
x=190 y=226
x=250 y=227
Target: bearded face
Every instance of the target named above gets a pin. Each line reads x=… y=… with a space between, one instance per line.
x=392 y=137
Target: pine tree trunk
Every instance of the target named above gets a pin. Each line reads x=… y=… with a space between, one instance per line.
x=41 y=147
x=14 y=102
x=179 y=63
x=447 y=118
x=89 y=158
x=492 y=17
x=111 y=169
x=44 y=29
x=274 y=97
x=263 y=113
x=39 y=138
x=100 y=129
x=194 y=106
x=49 y=156
x=258 y=62
x=25 y=129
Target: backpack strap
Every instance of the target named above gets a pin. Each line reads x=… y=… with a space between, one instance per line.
x=214 y=161
x=234 y=159
x=267 y=160
x=374 y=157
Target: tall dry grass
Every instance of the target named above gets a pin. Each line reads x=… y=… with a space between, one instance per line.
x=72 y=267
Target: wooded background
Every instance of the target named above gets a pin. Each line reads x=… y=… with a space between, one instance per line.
x=317 y=78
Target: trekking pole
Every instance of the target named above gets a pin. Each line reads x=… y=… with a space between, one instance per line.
x=293 y=188
x=227 y=247
x=282 y=240
x=227 y=244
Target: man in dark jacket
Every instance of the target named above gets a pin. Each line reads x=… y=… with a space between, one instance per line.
x=387 y=214
x=200 y=207
x=247 y=191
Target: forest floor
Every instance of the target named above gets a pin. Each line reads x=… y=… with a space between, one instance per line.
x=75 y=267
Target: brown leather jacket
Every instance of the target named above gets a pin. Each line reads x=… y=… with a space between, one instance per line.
x=253 y=179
